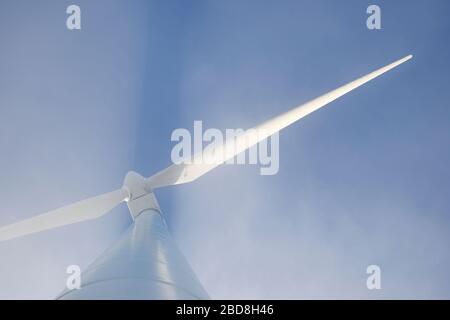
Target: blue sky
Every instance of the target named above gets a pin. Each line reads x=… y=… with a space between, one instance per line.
x=363 y=181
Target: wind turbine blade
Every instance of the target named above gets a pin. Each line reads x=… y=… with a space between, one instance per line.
x=187 y=172
x=80 y=211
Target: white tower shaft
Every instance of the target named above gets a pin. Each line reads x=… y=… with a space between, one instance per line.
x=144 y=263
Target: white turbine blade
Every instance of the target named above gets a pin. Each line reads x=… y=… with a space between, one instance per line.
x=187 y=172
x=80 y=211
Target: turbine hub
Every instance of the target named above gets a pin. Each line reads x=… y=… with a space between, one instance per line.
x=139 y=198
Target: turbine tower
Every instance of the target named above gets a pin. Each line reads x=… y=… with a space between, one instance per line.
x=145 y=262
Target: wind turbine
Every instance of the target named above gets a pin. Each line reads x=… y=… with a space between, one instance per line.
x=145 y=263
